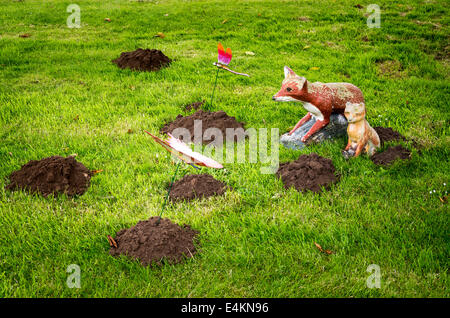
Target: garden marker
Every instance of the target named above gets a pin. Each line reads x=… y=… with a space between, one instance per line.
x=223 y=59
x=183 y=152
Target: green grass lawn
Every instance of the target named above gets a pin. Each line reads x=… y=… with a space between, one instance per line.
x=60 y=94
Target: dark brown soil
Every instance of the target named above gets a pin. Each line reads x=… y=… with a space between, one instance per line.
x=219 y=120
x=143 y=60
x=196 y=186
x=308 y=172
x=154 y=244
x=391 y=154
x=194 y=106
x=52 y=175
x=387 y=134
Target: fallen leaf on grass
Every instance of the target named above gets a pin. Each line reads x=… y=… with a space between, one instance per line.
x=160 y=35
x=111 y=241
x=25 y=35
x=224 y=21
x=130 y=131
x=314 y=68
x=304 y=19
x=107 y=19
x=443 y=199
x=306 y=47
x=322 y=250
x=96 y=171
x=318 y=246
x=435 y=25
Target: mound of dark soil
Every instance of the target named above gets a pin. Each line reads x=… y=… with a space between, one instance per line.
x=308 y=172
x=391 y=154
x=151 y=242
x=52 y=175
x=196 y=186
x=219 y=120
x=143 y=60
x=194 y=106
x=387 y=134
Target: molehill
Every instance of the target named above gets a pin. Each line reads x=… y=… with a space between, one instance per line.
x=309 y=172
x=52 y=175
x=142 y=60
x=153 y=243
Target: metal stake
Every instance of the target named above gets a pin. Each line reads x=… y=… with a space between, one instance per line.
x=168 y=192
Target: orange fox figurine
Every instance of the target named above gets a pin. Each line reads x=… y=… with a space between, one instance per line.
x=360 y=135
x=319 y=99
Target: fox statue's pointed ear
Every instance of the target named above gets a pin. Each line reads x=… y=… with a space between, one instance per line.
x=288 y=72
x=305 y=84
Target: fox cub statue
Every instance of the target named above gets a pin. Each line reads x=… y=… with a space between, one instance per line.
x=319 y=99
x=360 y=135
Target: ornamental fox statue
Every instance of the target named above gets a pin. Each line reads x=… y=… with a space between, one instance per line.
x=360 y=135
x=319 y=99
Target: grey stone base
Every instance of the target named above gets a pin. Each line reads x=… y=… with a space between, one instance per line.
x=336 y=128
